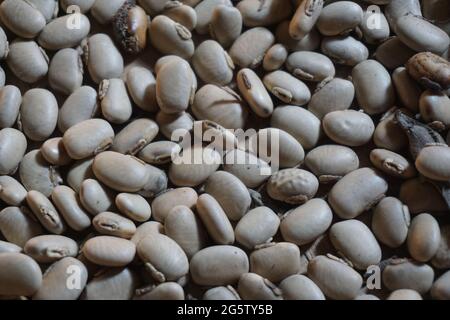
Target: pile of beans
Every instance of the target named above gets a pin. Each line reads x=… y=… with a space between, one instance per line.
x=354 y=95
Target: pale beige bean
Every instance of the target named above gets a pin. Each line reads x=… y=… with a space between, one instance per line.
x=163 y=203
x=293 y=186
x=60 y=33
x=84 y=5
x=250 y=169
x=408 y=90
x=221 y=105
x=230 y=192
x=345 y=50
x=22 y=18
x=4 y=45
x=12 y=191
x=133 y=206
x=112 y=284
x=54 y=152
x=181 y=13
x=392 y=163
x=212 y=63
x=421 y=196
x=393 y=53
x=102 y=57
x=10 y=101
x=374 y=26
x=145 y=229
x=194 y=166
x=81 y=105
x=57 y=277
x=45 y=212
x=104 y=10
x=80 y=171
x=141 y=84
x=388 y=134
x=276 y=261
x=50 y=248
x=287 y=88
x=300 y=287
x=249 y=49
x=349 y=127
x=159 y=152
x=154 y=7
x=218 y=265
x=204 y=11
x=27 y=61
x=257 y=227
x=183 y=226
x=135 y=136
x=373 y=85
x=404 y=294
x=163 y=291
x=19 y=276
x=290 y=151
x=306 y=223
x=435 y=108
x=221 y=293
x=275 y=57
x=155 y=183
x=70 y=207
x=114 y=101
x=434 y=162
x=336 y=279
x=13 y=145
x=109 y=167
x=331 y=162
x=273 y=12
x=252 y=286
x=310 y=42
x=358 y=191
x=163 y=258
x=176 y=74
x=170 y=123
x=113 y=224
x=170 y=37
x=254 y=92
x=406 y=274
x=355 y=242
x=18 y=225
x=109 y=251
x=421 y=35
x=423 y=237
x=310 y=66
x=38 y=174
x=391 y=221
x=339 y=18
x=95 y=197
x=331 y=95
x=300 y=123
x=215 y=220
x=305 y=18
x=441 y=287
x=88 y=138
x=38 y=114
x=441 y=259
x=8 y=247
x=225 y=25
x=397 y=9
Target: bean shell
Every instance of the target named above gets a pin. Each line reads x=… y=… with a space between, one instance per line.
x=95 y=197
x=358 y=191
x=429 y=66
x=423 y=237
x=109 y=251
x=57 y=277
x=27 y=61
x=163 y=257
x=163 y=203
x=310 y=66
x=133 y=206
x=97 y=132
x=18 y=225
x=20 y=275
x=336 y=279
x=50 y=248
x=12 y=191
x=69 y=205
x=391 y=221
x=257 y=227
x=215 y=220
x=306 y=223
x=354 y=240
x=38 y=114
x=45 y=212
x=10 y=101
x=218 y=265
x=331 y=162
x=13 y=145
